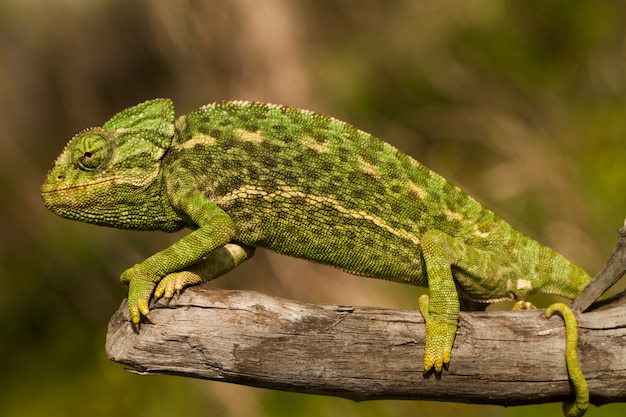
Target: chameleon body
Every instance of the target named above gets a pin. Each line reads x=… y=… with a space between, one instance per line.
x=245 y=175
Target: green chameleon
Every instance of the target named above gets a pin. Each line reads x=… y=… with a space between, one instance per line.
x=243 y=174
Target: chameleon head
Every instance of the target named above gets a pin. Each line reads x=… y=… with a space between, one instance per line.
x=111 y=175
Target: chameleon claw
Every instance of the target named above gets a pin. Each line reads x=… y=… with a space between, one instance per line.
x=436 y=366
x=136 y=311
x=135 y=319
x=144 y=310
x=136 y=322
x=147 y=316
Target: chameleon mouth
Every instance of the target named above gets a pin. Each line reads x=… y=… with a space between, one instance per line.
x=122 y=181
x=48 y=189
x=76 y=201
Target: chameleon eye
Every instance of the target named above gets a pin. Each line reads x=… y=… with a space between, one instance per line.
x=91 y=151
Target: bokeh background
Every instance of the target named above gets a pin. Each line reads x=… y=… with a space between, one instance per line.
x=520 y=102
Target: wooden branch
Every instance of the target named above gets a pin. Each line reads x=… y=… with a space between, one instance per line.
x=361 y=353
x=608 y=275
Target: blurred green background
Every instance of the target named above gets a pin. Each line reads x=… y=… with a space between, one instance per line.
x=519 y=102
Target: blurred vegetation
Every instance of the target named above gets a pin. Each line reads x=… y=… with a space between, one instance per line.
x=521 y=102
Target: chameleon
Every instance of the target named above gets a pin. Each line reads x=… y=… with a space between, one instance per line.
x=244 y=174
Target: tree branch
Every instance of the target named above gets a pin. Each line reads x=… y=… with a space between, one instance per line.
x=361 y=353
x=608 y=275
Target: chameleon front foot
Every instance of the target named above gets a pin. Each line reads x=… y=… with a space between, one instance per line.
x=141 y=289
x=139 y=292
x=439 y=340
x=138 y=306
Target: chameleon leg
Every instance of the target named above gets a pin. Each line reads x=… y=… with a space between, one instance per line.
x=581 y=403
x=440 y=308
x=213 y=265
x=215 y=229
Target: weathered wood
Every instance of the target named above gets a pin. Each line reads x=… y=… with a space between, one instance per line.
x=608 y=275
x=362 y=353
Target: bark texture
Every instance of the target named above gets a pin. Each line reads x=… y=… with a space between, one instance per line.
x=363 y=353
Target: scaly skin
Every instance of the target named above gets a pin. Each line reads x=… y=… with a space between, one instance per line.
x=578 y=407
x=243 y=175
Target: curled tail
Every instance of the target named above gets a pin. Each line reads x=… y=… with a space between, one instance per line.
x=581 y=403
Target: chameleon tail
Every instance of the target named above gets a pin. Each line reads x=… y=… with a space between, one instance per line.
x=581 y=403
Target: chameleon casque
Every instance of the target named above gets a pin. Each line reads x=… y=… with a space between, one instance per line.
x=245 y=175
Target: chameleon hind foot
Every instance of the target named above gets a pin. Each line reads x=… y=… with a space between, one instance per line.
x=581 y=403
x=439 y=340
